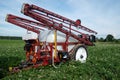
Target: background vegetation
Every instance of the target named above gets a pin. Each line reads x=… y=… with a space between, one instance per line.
x=11 y=37
x=102 y=64
x=109 y=38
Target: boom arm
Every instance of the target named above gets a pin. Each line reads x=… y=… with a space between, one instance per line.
x=58 y=18
x=25 y=23
x=42 y=16
x=50 y=20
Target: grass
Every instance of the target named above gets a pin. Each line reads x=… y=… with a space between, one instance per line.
x=102 y=64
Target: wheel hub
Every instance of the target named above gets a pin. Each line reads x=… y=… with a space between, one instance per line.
x=81 y=55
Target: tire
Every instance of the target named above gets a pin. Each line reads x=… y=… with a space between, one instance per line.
x=79 y=53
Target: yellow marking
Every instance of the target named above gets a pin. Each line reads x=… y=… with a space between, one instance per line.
x=41 y=43
x=10 y=68
x=55 y=42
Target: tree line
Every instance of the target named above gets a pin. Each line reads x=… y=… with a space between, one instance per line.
x=109 y=38
x=11 y=37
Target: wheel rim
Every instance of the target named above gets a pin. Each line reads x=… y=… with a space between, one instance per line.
x=81 y=55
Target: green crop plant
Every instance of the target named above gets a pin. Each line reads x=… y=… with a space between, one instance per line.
x=102 y=64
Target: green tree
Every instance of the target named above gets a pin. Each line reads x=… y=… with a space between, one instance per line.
x=109 y=38
x=101 y=39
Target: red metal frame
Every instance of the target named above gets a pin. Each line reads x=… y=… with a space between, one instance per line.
x=25 y=23
x=35 y=12
x=55 y=16
x=50 y=20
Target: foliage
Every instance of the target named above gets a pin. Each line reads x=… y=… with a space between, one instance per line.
x=109 y=38
x=101 y=40
x=102 y=64
x=11 y=53
x=11 y=37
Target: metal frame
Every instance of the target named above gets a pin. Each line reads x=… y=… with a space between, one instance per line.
x=40 y=51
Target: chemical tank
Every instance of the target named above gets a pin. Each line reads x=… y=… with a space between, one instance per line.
x=48 y=36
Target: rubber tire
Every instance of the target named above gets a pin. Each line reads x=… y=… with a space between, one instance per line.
x=75 y=49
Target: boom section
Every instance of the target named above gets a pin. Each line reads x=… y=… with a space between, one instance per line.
x=55 y=17
x=25 y=23
x=53 y=21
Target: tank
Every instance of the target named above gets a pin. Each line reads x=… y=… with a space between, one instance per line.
x=30 y=36
x=48 y=36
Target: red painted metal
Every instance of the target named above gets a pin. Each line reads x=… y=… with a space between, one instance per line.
x=54 y=16
x=49 y=20
x=30 y=11
x=24 y=23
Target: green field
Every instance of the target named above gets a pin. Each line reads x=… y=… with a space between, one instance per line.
x=103 y=63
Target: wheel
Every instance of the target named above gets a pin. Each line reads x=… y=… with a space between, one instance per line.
x=79 y=53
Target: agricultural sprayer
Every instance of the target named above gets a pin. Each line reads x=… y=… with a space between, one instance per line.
x=55 y=39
